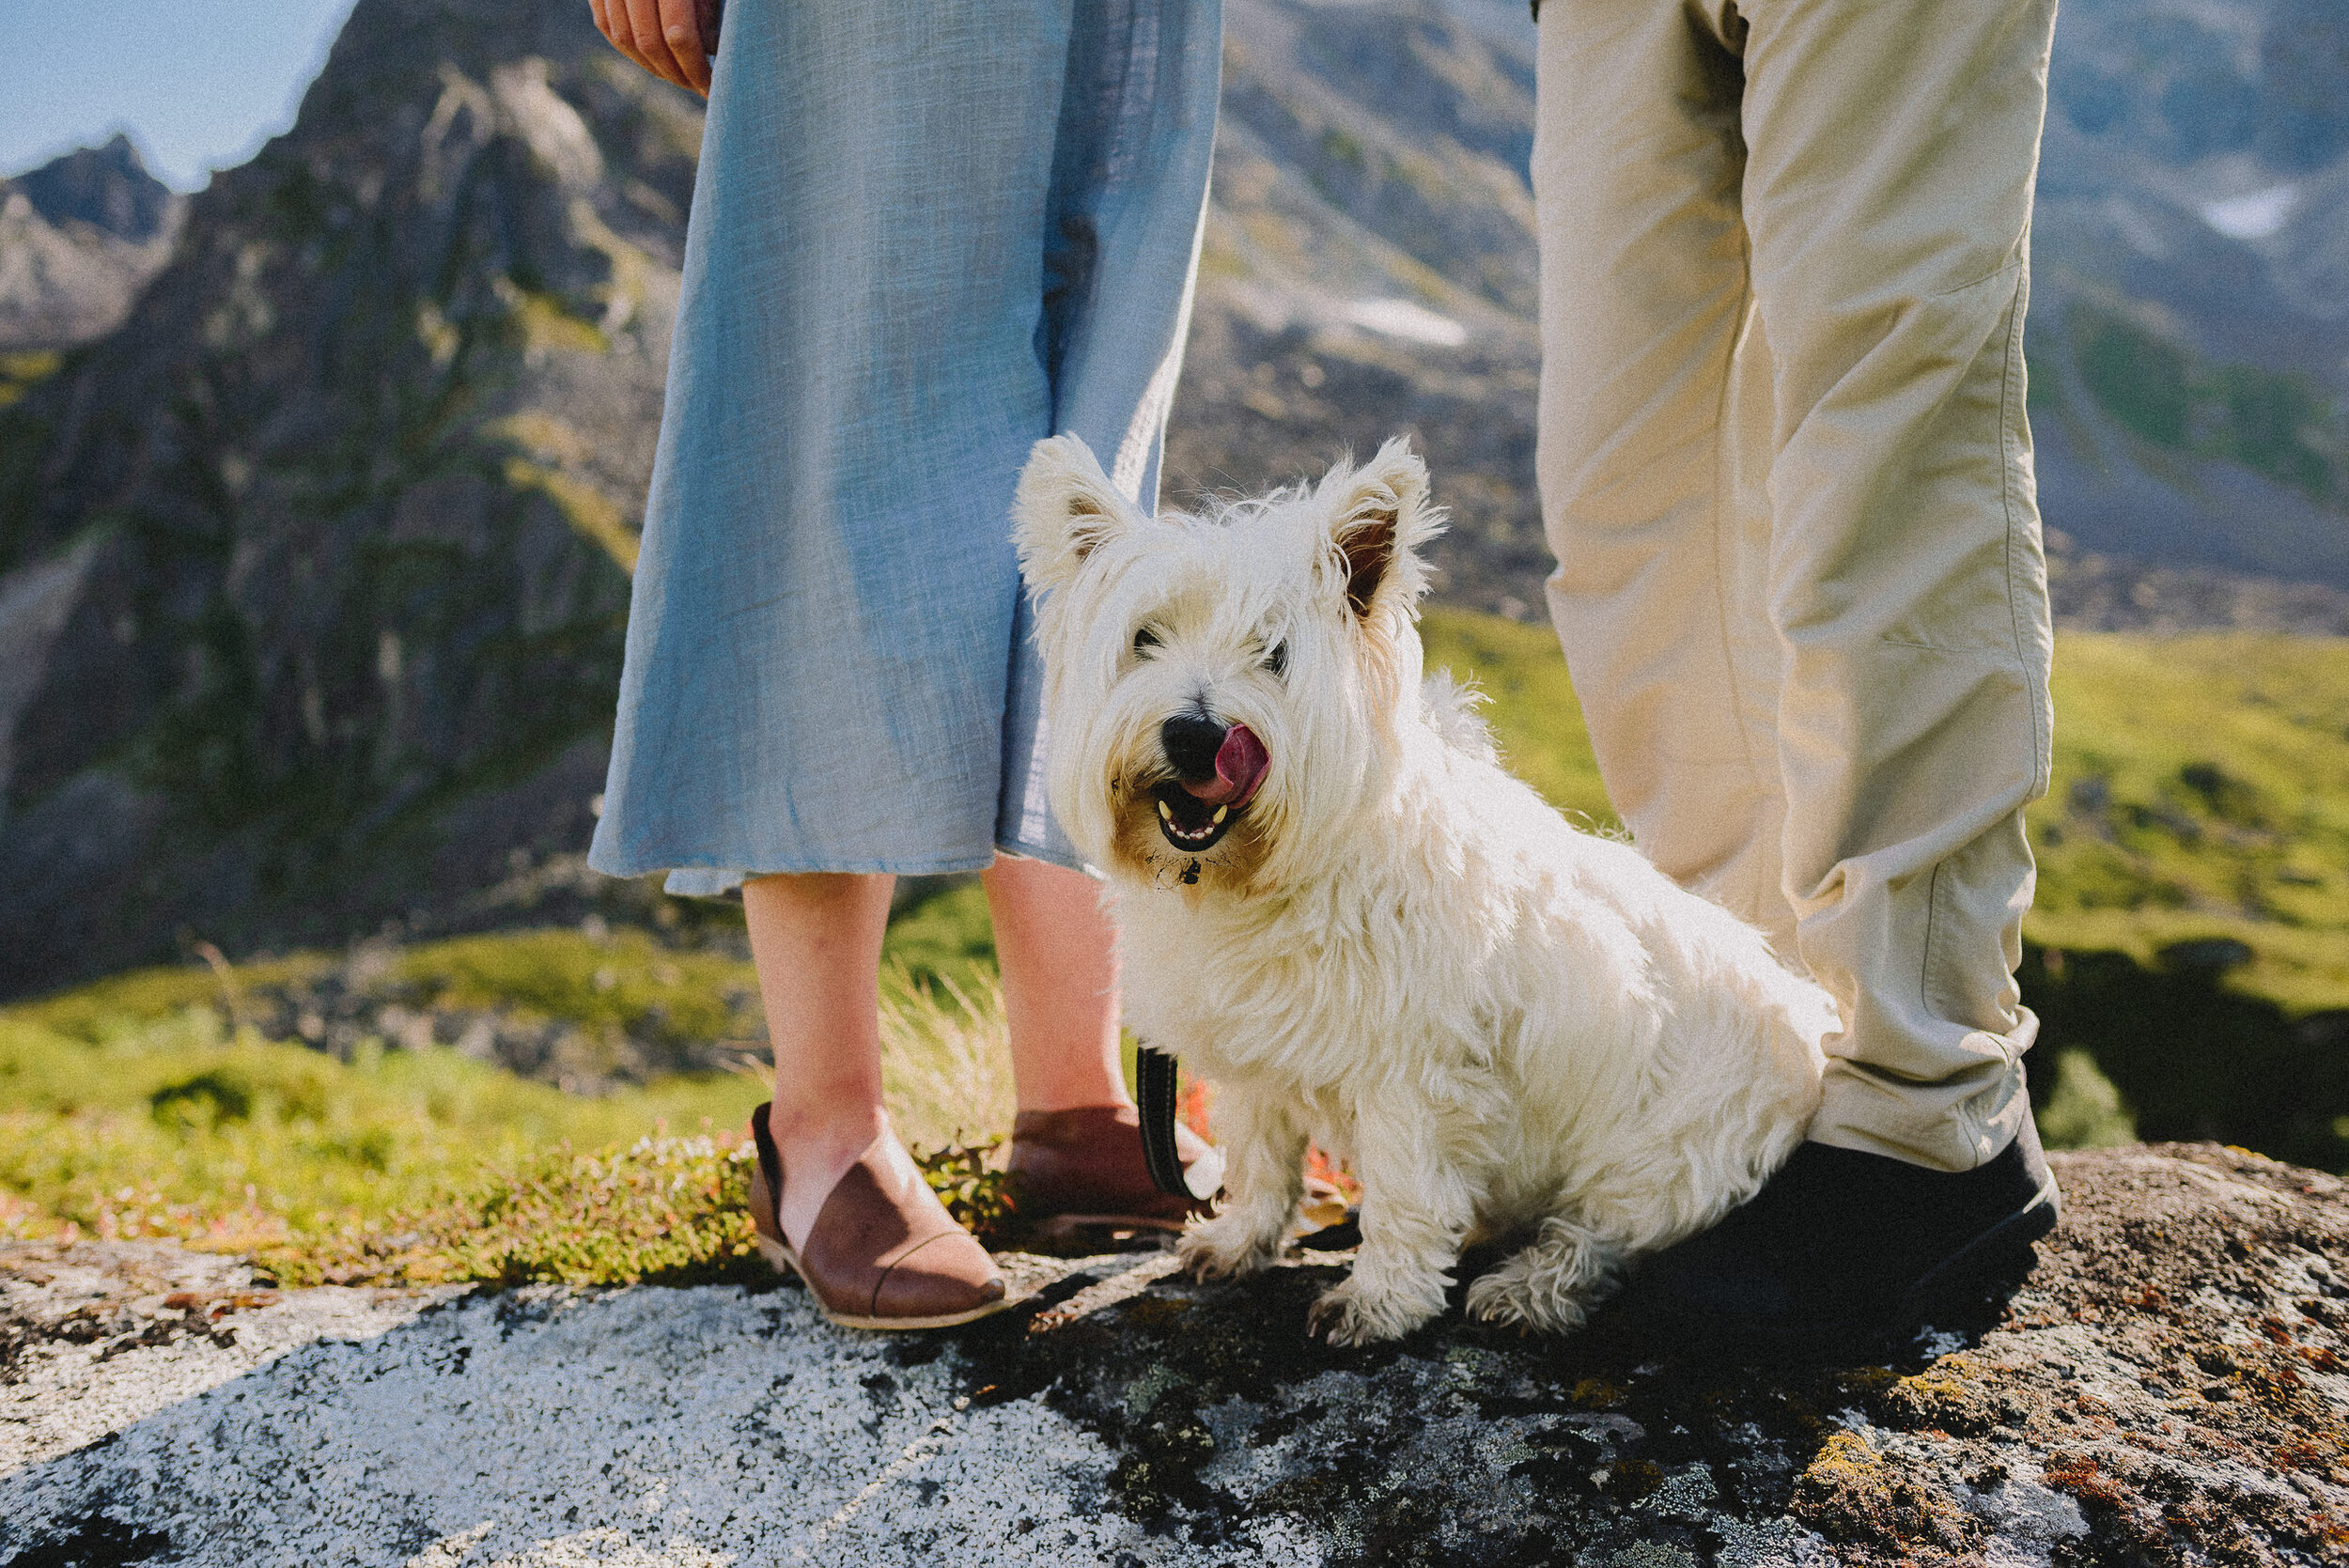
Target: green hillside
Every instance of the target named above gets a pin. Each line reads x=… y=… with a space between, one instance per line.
x=2189 y=959
x=183 y=1102
x=2280 y=426
x=2188 y=953
x=2200 y=791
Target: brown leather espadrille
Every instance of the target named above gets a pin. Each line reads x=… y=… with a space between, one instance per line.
x=883 y=1252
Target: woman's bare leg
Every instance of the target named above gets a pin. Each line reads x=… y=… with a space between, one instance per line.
x=1059 y=957
x=816 y=939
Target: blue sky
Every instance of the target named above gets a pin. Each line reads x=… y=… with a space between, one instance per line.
x=199 y=83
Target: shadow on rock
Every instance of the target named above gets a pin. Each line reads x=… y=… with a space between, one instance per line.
x=2166 y=1386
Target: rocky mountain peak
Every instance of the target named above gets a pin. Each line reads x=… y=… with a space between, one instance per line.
x=336 y=530
x=106 y=187
x=80 y=237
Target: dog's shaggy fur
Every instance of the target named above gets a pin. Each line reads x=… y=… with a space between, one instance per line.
x=1391 y=947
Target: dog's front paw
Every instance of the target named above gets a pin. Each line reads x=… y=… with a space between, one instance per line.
x=1350 y=1314
x=1224 y=1248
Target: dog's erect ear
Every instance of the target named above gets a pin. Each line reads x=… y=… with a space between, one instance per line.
x=1379 y=514
x=1066 y=509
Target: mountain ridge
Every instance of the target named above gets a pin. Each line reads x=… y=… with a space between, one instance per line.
x=347 y=495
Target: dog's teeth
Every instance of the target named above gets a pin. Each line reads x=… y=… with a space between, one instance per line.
x=1166 y=812
x=1220 y=812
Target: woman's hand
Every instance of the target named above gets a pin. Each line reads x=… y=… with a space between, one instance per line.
x=662 y=35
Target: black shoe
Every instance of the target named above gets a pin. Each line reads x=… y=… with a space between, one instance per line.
x=1842 y=1247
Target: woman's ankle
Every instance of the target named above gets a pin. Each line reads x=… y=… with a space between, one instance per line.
x=802 y=1125
x=816 y=1146
x=1086 y=1096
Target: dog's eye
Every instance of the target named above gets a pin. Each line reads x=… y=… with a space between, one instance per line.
x=1144 y=641
x=1278 y=659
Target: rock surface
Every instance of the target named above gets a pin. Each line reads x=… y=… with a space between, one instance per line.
x=2166 y=1389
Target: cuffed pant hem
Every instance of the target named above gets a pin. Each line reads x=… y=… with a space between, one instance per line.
x=1956 y=1125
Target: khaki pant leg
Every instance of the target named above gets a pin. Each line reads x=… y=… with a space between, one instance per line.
x=1658 y=597
x=1892 y=147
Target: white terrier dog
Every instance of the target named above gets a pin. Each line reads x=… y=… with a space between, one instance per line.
x=1334 y=902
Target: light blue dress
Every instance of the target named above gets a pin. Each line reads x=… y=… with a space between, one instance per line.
x=927 y=234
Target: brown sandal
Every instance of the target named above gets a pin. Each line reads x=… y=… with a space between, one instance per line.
x=880 y=1255
x=1084 y=1166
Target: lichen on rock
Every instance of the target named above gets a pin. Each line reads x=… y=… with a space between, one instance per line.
x=2167 y=1387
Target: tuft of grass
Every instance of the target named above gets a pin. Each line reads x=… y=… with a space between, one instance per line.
x=945 y=1059
x=2084 y=1110
x=1530 y=706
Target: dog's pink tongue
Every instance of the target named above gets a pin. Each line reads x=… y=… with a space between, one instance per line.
x=1239 y=767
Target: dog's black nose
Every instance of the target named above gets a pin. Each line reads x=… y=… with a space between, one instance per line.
x=1192 y=741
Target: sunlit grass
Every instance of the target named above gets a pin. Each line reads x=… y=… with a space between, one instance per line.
x=945 y=1060
x=172 y=1127
x=420 y=1166
x=2201 y=789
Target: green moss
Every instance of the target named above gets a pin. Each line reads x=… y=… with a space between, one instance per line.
x=547 y=322
x=2280 y=426
x=2136 y=376
x=1340 y=146
x=590 y=513
x=19 y=371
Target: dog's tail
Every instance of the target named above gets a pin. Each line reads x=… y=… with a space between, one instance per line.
x=1451 y=707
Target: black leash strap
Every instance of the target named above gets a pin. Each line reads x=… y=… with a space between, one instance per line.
x=1154 y=1076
